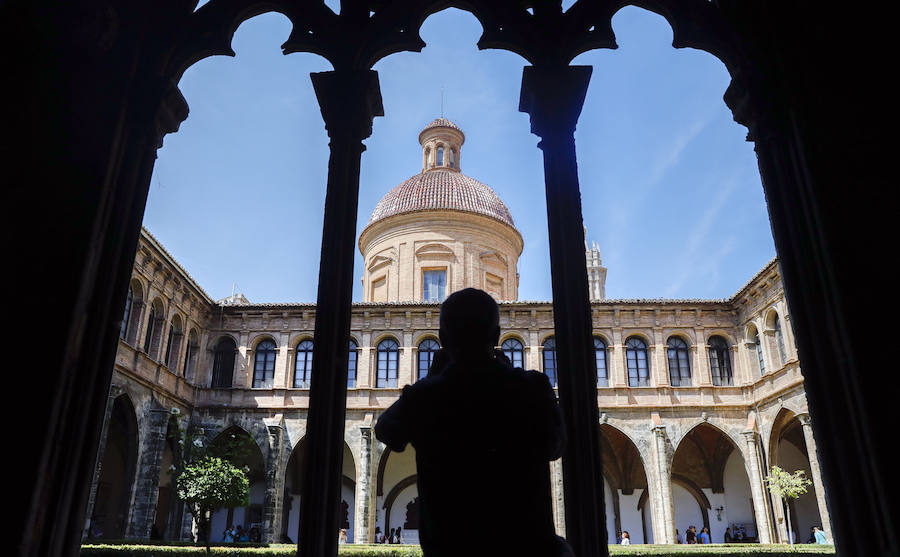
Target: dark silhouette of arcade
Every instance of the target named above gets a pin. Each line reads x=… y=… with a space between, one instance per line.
x=91 y=90
x=510 y=425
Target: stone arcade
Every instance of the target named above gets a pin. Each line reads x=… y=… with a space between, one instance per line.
x=697 y=397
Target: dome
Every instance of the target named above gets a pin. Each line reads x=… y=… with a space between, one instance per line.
x=442 y=189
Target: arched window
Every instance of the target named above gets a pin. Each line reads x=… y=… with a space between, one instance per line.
x=386 y=368
x=550 y=359
x=600 y=359
x=514 y=351
x=151 y=325
x=440 y=156
x=190 y=356
x=720 y=361
x=264 y=365
x=679 y=362
x=173 y=344
x=427 y=349
x=303 y=364
x=223 y=363
x=126 y=319
x=352 y=359
x=638 y=364
x=779 y=339
x=452 y=158
x=759 y=353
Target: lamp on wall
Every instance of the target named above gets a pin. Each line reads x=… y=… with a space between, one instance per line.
x=719 y=510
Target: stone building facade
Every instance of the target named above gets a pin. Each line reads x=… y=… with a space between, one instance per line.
x=697 y=397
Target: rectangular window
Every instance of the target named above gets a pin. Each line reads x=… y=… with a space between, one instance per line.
x=434 y=285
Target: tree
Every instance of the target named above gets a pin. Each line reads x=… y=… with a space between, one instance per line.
x=785 y=485
x=209 y=484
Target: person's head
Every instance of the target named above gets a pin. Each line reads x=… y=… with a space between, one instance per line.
x=470 y=324
x=378 y=529
x=625 y=534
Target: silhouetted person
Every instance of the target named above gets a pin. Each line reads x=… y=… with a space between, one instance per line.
x=484 y=433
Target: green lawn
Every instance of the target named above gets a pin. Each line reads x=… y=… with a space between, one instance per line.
x=172 y=550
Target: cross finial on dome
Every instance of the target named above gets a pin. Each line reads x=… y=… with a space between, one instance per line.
x=441 y=142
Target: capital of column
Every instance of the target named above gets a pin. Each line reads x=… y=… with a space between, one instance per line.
x=553 y=96
x=162 y=106
x=349 y=100
x=804 y=420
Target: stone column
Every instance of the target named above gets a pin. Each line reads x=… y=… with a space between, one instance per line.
x=349 y=100
x=559 y=499
x=275 y=472
x=659 y=482
x=364 y=527
x=756 y=475
x=146 y=488
x=818 y=484
x=553 y=95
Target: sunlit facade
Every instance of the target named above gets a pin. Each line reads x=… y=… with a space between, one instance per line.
x=697 y=397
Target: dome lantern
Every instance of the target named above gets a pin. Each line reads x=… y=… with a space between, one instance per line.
x=441 y=142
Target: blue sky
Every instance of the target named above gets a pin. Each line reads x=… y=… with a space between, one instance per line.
x=670 y=188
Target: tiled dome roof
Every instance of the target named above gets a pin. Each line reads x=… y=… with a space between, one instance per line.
x=442 y=189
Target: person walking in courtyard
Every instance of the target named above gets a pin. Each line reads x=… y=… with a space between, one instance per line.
x=479 y=426
x=704 y=535
x=626 y=539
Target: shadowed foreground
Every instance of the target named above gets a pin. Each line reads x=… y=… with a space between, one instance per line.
x=362 y=550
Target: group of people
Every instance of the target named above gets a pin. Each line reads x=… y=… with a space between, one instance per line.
x=395 y=535
x=692 y=537
x=238 y=533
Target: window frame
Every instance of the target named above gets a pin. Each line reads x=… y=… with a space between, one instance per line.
x=352 y=363
x=433 y=346
x=426 y=270
x=722 y=375
x=387 y=346
x=511 y=352
x=635 y=379
x=267 y=379
x=603 y=348
x=217 y=370
x=678 y=356
x=549 y=347
x=307 y=360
